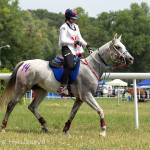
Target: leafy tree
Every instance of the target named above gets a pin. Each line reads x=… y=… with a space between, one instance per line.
x=134 y=25
x=10 y=31
x=34 y=34
x=140 y=43
x=53 y=19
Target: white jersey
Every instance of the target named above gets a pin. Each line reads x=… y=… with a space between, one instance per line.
x=68 y=34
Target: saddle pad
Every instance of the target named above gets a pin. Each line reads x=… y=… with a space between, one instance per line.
x=58 y=72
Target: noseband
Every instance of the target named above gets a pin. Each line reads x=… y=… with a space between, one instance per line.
x=118 y=54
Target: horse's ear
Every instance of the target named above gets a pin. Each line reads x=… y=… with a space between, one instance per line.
x=120 y=37
x=115 y=37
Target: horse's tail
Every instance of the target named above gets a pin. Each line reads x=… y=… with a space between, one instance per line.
x=7 y=94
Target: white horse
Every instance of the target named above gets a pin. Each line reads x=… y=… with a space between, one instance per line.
x=38 y=76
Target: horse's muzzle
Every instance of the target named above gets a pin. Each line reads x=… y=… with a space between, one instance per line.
x=127 y=60
x=130 y=60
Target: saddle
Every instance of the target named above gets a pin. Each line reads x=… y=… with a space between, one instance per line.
x=58 y=62
x=57 y=65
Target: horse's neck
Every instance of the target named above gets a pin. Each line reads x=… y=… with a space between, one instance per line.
x=105 y=53
x=94 y=59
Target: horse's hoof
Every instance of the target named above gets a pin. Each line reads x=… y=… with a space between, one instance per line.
x=44 y=130
x=2 y=131
x=102 y=135
x=67 y=133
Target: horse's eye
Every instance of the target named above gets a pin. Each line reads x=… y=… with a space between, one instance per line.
x=117 y=47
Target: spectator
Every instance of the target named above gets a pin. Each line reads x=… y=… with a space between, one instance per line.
x=109 y=92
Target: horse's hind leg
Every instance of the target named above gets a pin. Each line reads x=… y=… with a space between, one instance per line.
x=33 y=107
x=17 y=96
x=75 y=108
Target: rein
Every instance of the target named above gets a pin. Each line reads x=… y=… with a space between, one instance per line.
x=105 y=64
x=86 y=63
x=112 y=68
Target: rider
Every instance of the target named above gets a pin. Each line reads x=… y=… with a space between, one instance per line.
x=70 y=43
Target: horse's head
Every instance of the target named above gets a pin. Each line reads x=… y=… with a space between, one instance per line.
x=118 y=52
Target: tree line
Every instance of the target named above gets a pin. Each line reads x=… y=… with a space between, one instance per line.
x=33 y=34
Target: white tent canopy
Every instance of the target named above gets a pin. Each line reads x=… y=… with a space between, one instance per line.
x=117 y=82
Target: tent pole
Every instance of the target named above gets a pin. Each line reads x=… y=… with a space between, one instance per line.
x=118 y=97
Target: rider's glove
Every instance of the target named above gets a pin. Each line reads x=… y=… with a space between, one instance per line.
x=89 y=49
x=78 y=43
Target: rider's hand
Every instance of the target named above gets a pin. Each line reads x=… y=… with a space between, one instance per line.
x=78 y=43
x=89 y=49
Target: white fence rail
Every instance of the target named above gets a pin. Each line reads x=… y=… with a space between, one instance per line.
x=4 y=76
x=132 y=76
x=128 y=75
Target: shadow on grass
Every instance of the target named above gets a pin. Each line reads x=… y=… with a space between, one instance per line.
x=27 y=131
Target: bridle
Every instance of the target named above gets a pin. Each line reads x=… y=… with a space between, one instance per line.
x=118 y=54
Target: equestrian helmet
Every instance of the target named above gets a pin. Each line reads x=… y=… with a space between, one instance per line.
x=71 y=13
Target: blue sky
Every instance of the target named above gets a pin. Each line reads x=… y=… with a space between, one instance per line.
x=92 y=7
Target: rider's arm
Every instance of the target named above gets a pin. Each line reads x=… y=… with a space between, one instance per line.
x=63 y=37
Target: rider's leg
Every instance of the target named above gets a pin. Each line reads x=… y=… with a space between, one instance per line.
x=68 y=65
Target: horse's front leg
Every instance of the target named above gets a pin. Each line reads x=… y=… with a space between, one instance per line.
x=89 y=99
x=74 y=110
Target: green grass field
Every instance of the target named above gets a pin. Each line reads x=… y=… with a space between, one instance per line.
x=24 y=131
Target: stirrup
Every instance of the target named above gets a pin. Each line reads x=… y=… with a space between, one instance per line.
x=63 y=91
